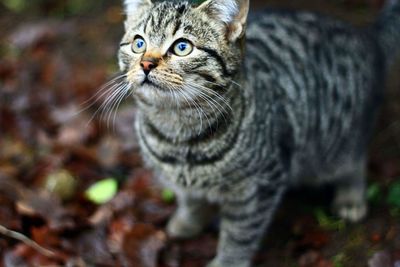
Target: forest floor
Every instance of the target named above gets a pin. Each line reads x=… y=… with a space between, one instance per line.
x=52 y=152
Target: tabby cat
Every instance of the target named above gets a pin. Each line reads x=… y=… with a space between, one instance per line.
x=234 y=117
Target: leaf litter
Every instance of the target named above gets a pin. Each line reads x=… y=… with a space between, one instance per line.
x=52 y=153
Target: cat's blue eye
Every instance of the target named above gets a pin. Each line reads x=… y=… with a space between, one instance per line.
x=139 y=45
x=182 y=48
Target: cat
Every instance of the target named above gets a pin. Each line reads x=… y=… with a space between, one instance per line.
x=234 y=112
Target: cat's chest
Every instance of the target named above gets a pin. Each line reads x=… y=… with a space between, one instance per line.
x=181 y=163
x=200 y=164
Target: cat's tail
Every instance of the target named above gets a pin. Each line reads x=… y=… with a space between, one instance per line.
x=388 y=26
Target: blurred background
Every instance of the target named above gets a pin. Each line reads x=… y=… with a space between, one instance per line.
x=72 y=181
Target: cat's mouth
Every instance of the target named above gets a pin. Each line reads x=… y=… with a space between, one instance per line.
x=148 y=82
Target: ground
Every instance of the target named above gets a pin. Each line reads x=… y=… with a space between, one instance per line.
x=54 y=57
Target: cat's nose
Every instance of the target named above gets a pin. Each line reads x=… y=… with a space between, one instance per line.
x=148 y=64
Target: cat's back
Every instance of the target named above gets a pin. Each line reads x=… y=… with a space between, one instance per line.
x=304 y=34
x=323 y=72
x=312 y=58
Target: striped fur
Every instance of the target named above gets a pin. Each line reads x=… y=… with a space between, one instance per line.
x=238 y=128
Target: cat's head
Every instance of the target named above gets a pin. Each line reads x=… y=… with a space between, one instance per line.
x=175 y=52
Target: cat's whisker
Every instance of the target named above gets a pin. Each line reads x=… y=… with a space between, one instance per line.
x=231 y=81
x=187 y=101
x=112 y=106
x=236 y=83
x=174 y=97
x=195 y=94
x=213 y=93
x=103 y=90
x=216 y=94
x=109 y=100
x=113 y=80
x=104 y=87
x=109 y=92
x=96 y=112
x=211 y=105
x=212 y=102
x=123 y=96
x=199 y=110
x=105 y=104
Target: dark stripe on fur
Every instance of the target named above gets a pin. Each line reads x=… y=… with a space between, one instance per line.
x=214 y=54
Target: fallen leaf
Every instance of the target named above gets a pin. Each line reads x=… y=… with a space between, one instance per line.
x=30 y=34
x=43 y=204
x=142 y=245
x=122 y=201
x=102 y=191
x=91 y=246
x=314 y=259
x=380 y=259
x=61 y=183
x=315 y=239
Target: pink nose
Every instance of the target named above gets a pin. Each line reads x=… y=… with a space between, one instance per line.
x=148 y=65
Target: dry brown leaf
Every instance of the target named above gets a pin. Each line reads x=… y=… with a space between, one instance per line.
x=142 y=245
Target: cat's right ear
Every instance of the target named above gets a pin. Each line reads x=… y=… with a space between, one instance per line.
x=231 y=12
x=132 y=6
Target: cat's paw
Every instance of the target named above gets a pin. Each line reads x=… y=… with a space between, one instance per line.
x=218 y=263
x=350 y=203
x=353 y=211
x=180 y=228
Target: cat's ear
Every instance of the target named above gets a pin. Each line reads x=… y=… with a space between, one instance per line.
x=132 y=6
x=232 y=12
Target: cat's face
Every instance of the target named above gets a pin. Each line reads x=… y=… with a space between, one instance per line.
x=175 y=54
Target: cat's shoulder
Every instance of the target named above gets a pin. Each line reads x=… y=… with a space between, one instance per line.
x=289 y=18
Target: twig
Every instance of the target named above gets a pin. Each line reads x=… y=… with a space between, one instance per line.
x=27 y=241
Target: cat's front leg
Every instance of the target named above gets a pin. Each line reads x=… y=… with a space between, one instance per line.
x=244 y=218
x=192 y=214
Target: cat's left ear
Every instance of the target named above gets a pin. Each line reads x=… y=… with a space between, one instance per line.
x=232 y=12
x=132 y=6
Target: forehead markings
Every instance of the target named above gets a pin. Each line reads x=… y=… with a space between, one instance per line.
x=146 y=22
x=162 y=30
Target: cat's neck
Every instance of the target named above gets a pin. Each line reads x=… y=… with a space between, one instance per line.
x=186 y=123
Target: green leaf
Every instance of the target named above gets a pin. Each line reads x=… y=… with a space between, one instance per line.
x=102 y=191
x=15 y=5
x=338 y=260
x=374 y=193
x=327 y=222
x=393 y=197
x=77 y=6
x=168 y=195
